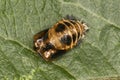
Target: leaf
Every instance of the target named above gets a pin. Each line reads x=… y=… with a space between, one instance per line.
x=97 y=58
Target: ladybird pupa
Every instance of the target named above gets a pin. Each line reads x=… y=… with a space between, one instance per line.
x=62 y=36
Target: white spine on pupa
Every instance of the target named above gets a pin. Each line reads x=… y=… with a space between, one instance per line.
x=85 y=27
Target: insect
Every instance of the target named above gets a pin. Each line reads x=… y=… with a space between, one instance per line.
x=61 y=37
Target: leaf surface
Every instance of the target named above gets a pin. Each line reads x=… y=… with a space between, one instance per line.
x=96 y=58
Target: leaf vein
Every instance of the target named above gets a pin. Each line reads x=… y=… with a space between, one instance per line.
x=14 y=20
x=65 y=71
x=11 y=63
x=105 y=58
x=94 y=14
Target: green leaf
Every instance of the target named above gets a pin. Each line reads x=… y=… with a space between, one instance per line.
x=97 y=58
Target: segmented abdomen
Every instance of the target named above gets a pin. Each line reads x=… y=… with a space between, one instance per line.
x=70 y=32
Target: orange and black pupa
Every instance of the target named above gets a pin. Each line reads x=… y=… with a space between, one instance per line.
x=62 y=36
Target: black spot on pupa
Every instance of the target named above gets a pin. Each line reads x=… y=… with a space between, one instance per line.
x=72 y=22
x=49 y=46
x=74 y=37
x=78 y=34
x=60 y=27
x=67 y=23
x=58 y=53
x=66 y=39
